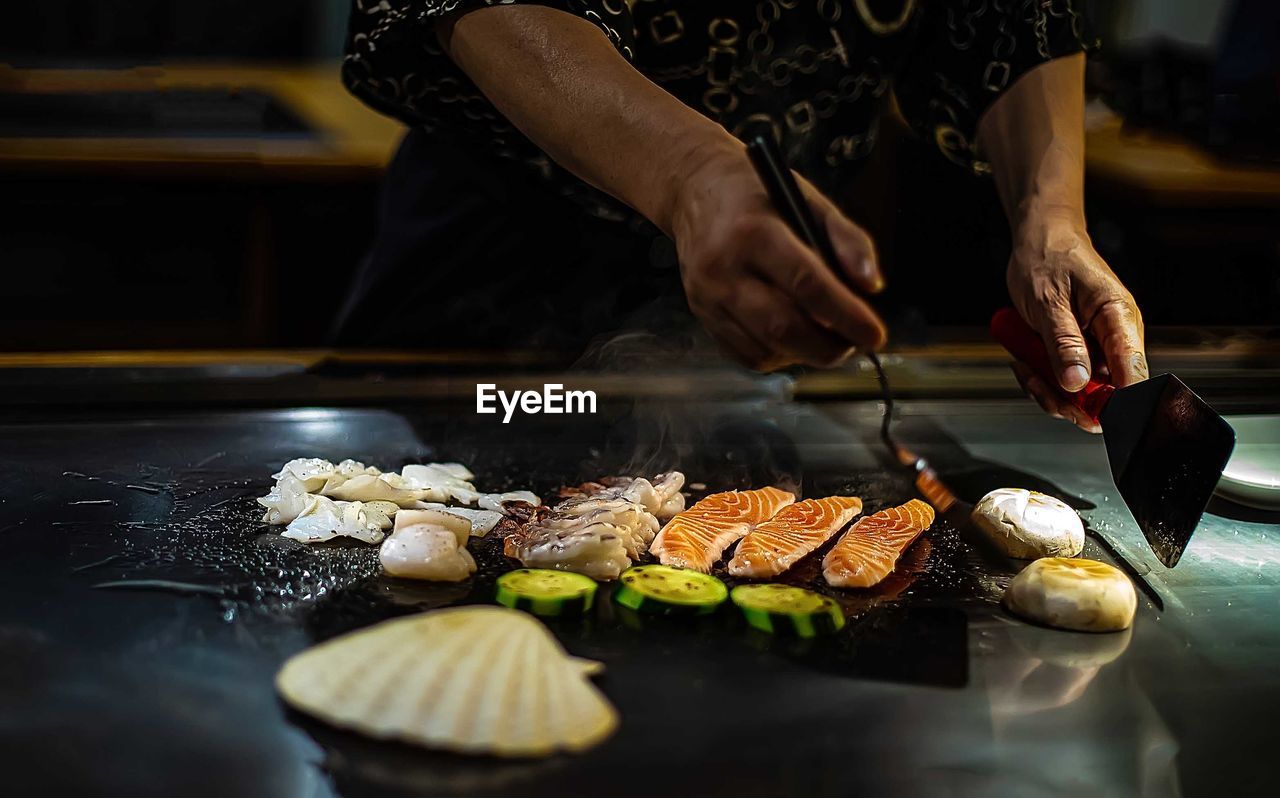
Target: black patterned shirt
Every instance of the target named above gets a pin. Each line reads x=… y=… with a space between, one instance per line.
x=817 y=74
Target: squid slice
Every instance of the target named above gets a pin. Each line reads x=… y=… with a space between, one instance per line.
x=380 y=495
x=316 y=473
x=600 y=528
x=286 y=501
x=325 y=519
x=494 y=501
x=482 y=521
x=368 y=487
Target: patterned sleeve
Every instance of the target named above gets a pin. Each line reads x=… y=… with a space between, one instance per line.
x=968 y=52
x=395 y=65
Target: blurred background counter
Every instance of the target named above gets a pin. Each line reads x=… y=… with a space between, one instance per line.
x=190 y=175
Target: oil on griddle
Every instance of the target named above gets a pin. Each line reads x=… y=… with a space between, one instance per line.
x=205 y=542
x=213 y=543
x=216 y=579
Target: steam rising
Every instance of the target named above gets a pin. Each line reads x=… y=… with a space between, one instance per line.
x=729 y=435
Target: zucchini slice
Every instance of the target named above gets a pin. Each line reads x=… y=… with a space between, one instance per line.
x=545 y=592
x=669 y=591
x=787 y=610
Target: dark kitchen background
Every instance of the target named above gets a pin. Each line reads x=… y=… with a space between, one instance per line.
x=192 y=175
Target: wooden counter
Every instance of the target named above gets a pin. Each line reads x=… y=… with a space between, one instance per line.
x=357 y=142
x=223 y=221
x=1168 y=171
x=265 y=215
x=1234 y=380
x=352 y=141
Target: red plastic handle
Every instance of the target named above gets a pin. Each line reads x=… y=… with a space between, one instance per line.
x=1024 y=343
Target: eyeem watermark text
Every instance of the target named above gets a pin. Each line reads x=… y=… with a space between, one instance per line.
x=553 y=399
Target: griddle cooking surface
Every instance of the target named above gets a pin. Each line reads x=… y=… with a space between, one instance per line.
x=144 y=609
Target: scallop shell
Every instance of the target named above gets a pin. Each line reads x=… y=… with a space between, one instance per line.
x=476 y=680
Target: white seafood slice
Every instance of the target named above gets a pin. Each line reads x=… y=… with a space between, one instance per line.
x=459 y=526
x=482 y=521
x=478 y=680
x=389 y=509
x=456 y=470
x=1026 y=524
x=442 y=480
x=287 y=499
x=301 y=480
x=662 y=497
x=426 y=551
x=316 y=473
x=595 y=549
x=310 y=471
x=494 y=501
x=324 y=519
x=367 y=487
x=638 y=525
x=1072 y=593
x=671 y=508
x=428 y=544
x=346 y=470
x=600 y=532
x=450 y=482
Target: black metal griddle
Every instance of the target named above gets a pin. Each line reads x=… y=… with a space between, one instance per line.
x=144 y=610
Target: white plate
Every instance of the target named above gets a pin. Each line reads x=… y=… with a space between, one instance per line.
x=1252 y=475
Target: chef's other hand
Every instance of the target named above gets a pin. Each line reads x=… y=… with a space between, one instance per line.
x=1065 y=290
x=760 y=291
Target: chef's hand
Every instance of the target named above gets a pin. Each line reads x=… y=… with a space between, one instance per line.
x=1065 y=291
x=758 y=290
x=761 y=292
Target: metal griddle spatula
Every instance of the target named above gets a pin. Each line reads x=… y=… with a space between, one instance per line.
x=1167 y=447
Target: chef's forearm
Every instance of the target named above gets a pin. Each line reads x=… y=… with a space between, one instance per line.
x=561 y=83
x=1033 y=137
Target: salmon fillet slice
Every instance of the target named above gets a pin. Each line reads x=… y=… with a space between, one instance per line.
x=869 y=550
x=779 y=543
x=698 y=537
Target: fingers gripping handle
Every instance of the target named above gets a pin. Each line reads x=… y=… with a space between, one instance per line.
x=1024 y=343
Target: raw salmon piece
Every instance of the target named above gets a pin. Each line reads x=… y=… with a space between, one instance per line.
x=697 y=537
x=780 y=542
x=867 y=552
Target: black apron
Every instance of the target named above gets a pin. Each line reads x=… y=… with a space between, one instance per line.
x=474 y=252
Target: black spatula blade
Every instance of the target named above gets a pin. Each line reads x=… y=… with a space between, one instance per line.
x=1167 y=449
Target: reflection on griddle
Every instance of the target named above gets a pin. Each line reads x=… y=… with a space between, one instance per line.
x=146 y=664
x=915 y=645
x=1056 y=670
x=712 y=623
x=356 y=763
x=909 y=629
x=419 y=595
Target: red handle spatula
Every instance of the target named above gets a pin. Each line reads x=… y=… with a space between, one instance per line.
x=1167 y=447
